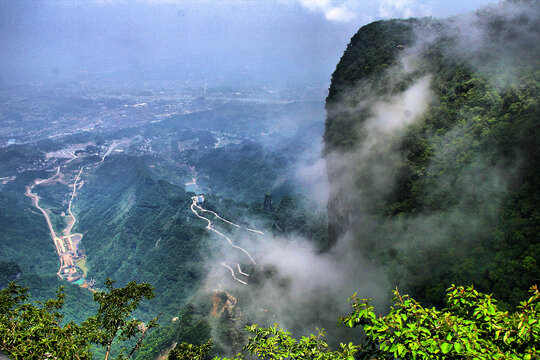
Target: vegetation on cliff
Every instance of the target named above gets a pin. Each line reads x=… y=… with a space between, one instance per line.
x=447 y=194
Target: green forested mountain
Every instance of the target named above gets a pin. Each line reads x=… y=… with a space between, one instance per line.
x=140 y=228
x=432 y=145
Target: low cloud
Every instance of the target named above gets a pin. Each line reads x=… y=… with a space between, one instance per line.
x=347 y=10
x=296 y=286
x=309 y=174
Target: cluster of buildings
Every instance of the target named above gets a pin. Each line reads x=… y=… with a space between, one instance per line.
x=67 y=248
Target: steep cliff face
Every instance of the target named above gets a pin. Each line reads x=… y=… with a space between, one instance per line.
x=373 y=50
x=432 y=144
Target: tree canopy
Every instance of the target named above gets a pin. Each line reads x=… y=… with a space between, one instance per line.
x=35 y=331
x=471 y=326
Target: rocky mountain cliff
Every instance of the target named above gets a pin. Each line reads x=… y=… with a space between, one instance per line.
x=432 y=150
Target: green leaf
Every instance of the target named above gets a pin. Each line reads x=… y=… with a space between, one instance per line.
x=401 y=349
x=446 y=347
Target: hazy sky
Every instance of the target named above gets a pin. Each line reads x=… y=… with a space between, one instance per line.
x=232 y=41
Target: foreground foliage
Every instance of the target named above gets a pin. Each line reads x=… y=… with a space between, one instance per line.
x=34 y=331
x=29 y=331
x=470 y=327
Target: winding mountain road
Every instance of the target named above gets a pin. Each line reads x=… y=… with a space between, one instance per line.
x=232 y=273
x=65 y=248
x=240 y=270
x=35 y=201
x=111 y=148
x=209 y=227
x=35 y=198
x=227 y=221
x=216 y=215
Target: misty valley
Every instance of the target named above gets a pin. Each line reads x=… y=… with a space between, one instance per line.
x=127 y=190
x=391 y=213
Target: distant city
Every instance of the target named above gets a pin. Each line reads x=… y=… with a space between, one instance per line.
x=37 y=112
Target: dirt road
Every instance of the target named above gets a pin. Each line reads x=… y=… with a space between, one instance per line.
x=35 y=201
x=72 y=219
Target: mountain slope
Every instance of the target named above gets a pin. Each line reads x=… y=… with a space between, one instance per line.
x=139 y=228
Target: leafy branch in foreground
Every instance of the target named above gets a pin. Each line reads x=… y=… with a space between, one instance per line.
x=34 y=331
x=115 y=306
x=470 y=327
x=30 y=331
x=185 y=351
